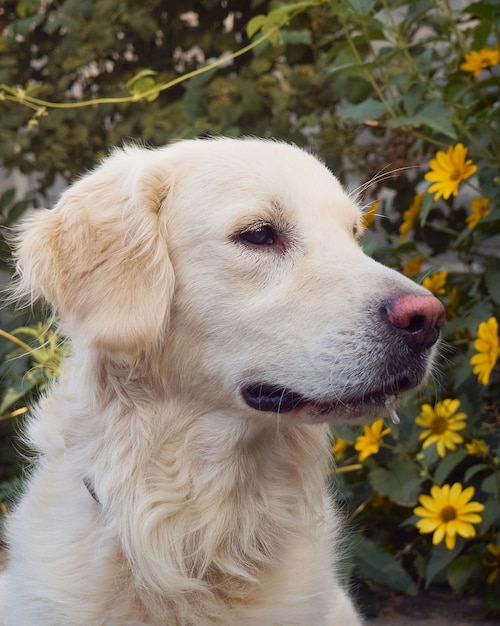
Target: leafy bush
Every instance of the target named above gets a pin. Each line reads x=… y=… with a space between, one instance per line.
x=422 y=82
x=404 y=98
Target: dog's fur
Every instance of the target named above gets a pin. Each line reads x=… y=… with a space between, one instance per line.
x=206 y=511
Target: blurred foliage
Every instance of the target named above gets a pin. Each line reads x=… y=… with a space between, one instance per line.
x=391 y=96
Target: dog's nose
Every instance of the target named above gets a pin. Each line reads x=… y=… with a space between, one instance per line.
x=418 y=316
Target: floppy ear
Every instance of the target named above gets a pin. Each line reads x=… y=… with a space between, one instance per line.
x=100 y=257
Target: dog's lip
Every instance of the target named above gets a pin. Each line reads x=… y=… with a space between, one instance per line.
x=278 y=399
x=271 y=398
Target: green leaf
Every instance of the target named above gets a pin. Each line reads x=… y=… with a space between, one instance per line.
x=491 y=484
x=427 y=203
x=24 y=8
x=425 y=61
x=491 y=274
x=481 y=34
x=24 y=26
x=369 y=109
x=7 y=198
x=416 y=9
x=381 y=567
x=139 y=76
x=295 y=37
x=413 y=98
x=490 y=516
x=10 y=489
x=361 y=7
x=18 y=391
x=15 y=211
x=142 y=83
x=401 y=483
x=441 y=557
x=480 y=9
x=143 y=86
x=475 y=469
x=494 y=216
x=255 y=24
x=277 y=18
x=461 y=570
x=437 y=115
x=448 y=464
x=434 y=114
x=345 y=60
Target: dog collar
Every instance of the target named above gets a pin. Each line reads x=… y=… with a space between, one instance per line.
x=90 y=489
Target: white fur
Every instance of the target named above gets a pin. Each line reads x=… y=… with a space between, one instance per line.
x=209 y=512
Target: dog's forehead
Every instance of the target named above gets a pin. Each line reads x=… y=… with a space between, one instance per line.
x=304 y=189
x=240 y=177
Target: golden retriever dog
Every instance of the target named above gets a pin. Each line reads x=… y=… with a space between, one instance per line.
x=221 y=314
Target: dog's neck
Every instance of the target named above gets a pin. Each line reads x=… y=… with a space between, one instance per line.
x=194 y=496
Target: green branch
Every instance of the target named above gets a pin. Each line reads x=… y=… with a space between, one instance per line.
x=21 y=96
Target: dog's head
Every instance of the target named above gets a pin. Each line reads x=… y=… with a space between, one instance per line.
x=236 y=263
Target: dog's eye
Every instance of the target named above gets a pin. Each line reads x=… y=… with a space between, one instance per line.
x=263 y=235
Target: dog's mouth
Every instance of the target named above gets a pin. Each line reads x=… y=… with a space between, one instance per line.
x=277 y=399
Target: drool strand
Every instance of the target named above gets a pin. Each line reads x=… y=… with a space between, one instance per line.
x=390 y=406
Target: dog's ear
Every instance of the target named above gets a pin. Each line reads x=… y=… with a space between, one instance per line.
x=100 y=257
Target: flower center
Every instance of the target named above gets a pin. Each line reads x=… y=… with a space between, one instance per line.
x=439 y=425
x=448 y=513
x=455 y=175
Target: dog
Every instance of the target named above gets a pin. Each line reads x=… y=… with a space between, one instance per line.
x=222 y=314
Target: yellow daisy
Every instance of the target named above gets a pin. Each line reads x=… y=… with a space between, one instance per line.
x=413 y=266
x=409 y=216
x=369 y=443
x=448 y=170
x=486 y=345
x=477 y=447
x=480 y=208
x=370 y=214
x=454 y=302
x=339 y=447
x=475 y=61
x=441 y=424
x=448 y=512
x=495 y=564
x=436 y=282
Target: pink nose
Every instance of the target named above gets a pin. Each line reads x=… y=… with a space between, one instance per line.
x=418 y=316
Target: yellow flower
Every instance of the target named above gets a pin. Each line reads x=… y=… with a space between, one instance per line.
x=369 y=443
x=448 y=512
x=413 y=266
x=339 y=447
x=480 y=208
x=371 y=213
x=477 y=447
x=436 y=282
x=441 y=423
x=448 y=170
x=486 y=345
x=409 y=216
x=476 y=61
x=454 y=302
x=495 y=564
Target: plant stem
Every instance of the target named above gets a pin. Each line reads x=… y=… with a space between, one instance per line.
x=14 y=339
x=36 y=103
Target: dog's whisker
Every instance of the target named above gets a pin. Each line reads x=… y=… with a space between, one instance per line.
x=382 y=175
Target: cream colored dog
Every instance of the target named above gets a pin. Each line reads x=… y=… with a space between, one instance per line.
x=221 y=313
